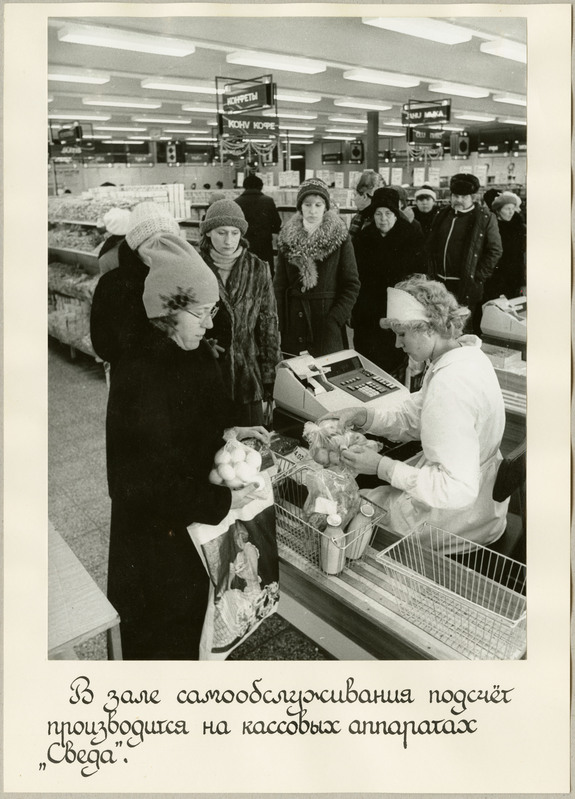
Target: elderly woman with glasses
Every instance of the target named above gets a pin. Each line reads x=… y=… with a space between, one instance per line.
x=458 y=415
x=369 y=181
x=246 y=332
x=167 y=412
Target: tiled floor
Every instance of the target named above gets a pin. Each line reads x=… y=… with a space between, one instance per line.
x=79 y=506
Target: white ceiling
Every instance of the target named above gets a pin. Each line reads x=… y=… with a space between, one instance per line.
x=342 y=42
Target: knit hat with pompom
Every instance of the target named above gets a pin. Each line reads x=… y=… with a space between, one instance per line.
x=149 y=218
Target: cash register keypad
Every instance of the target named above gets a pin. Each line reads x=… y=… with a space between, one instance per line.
x=369 y=388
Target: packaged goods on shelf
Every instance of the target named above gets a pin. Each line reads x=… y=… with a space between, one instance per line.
x=70 y=292
x=71 y=281
x=75 y=237
x=501 y=357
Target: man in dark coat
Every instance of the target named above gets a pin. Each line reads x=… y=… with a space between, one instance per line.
x=464 y=245
x=262 y=217
x=387 y=251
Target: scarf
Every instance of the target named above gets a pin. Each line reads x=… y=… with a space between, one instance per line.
x=225 y=263
x=305 y=250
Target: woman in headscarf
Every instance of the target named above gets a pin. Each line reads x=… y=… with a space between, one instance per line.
x=508 y=277
x=316 y=282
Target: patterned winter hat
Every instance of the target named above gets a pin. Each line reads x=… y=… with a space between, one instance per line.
x=178 y=276
x=313 y=186
x=224 y=213
x=149 y=218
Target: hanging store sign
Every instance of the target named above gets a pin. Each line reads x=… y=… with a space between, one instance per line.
x=202 y=157
x=425 y=113
x=332 y=158
x=140 y=159
x=499 y=148
x=98 y=160
x=246 y=125
x=424 y=136
x=246 y=96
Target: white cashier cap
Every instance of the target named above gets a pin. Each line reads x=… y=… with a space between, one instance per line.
x=403 y=307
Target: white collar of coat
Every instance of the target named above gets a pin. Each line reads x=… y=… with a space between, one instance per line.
x=465 y=342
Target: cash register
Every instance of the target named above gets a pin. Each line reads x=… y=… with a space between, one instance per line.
x=307 y=387
x=505 y=319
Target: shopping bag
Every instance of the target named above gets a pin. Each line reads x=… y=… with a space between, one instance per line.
x=241 y=558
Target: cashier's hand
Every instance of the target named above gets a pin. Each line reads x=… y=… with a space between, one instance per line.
x=347 y=417
x=362 y=460
x=253 y=432
x=241 y=496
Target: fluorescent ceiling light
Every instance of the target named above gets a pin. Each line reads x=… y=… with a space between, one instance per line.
x=121 y=102
x=297 y=127
x=381 y=78
x=199 y=109
x=296 y=135
x=349 y=120
x=186 y=130
x=391 y=122
x=125 y=40
x=75 y=75
x=434 y=30
x=180 y=85
x=295 y=156
x=511 y=99
x=512 y=121
x=119 y=129
x=368 y=105
x=345 y=130
x=297 y=97
x=140 y=138
x=204 y=140
x=97 y=136
x=286 y=63
x=288 y=115
x=475 y=117
x=123 y=141
x=515 y=51
x=293 y=141
x=459 y=89
x=338 y=138
x=81 y=117
x=452 y=128
x=211 y=123
x=167 y=120
x=392 y=133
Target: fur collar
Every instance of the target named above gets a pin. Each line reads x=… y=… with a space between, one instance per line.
x=305 y=251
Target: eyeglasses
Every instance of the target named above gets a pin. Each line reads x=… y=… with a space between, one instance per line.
x=202 y=316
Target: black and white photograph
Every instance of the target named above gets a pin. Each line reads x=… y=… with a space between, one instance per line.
x=287 y=390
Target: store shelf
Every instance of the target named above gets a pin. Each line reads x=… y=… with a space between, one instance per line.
x=84 y=222
x=87 y=260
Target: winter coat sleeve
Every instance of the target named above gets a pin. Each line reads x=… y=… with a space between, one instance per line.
x=280 y=284
x=348 y=284
x=267 y=331
x=450 y=478
x=491 y=252
x=275 y=218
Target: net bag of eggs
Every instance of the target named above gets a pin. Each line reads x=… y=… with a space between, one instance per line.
x=237 y=465
x=327 y=442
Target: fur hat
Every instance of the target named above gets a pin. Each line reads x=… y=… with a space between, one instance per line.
x=178 y=276
x=224 y=213
x=117 y=221
x=490 y=195
x=505 y=198
x=386 y=197
x=464 y=183
x=313 y=186
x=149 y=218
x=421 y=193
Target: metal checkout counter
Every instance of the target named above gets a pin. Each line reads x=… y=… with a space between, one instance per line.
x=350 y=615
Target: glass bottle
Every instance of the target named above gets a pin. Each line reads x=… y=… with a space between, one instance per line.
x=359 y=531
x=332 y=552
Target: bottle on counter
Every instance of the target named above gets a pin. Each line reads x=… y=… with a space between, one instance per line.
x=359 y=531
x=332 y=552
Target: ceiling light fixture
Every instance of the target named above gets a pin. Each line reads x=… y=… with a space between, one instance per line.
x=296 y=135
x=390 y=122
x=99 y=36
x=512 y=121
x=359 y=131
x=393 y=133
x=300 y=141
x=118 y=129
x=433 y=30
x=504 y=48
x=124 y=141
x=459 y=89
x=382 y=78
x=288 y=115
x=287 y=96
x=75 y=75
x=287 y=126
x=97 y=136
x=203 y=139
x=475 y=117
x=81 y=117
x=511 y=99
x=186 y=131
x=167 y=120
x=121 y=102
x=199 y=109
x=180 y=85
x=338 y=138
x=286 y=63
x=349 y=120
x=367 y=105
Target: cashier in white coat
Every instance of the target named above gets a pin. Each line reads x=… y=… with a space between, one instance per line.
x=458 y=414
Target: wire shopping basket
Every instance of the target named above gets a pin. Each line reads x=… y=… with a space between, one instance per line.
x=463 y=594
x=302 y=542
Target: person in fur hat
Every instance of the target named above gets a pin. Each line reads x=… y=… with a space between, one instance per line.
x=167 y=410
x=246 y=331
x=508 y=277
x=316 y=282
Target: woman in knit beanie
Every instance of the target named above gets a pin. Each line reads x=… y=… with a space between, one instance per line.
x=246 y=329
x=508 y=277
x=316 y=282
x=167 y=411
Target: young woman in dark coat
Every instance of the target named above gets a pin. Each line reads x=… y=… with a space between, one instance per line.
x=166 y=415
x=387 y=251
x=316 y=281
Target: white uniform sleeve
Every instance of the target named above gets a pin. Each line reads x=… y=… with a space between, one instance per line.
x=450 y=477
x=402 y=423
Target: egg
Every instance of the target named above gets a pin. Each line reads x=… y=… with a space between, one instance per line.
x=254 y=459
x=226 y=472
x=222 y=456
x=237 y=455
x=215 y=477
x=245 y=472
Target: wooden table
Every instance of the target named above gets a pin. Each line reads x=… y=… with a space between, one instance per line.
x=77 y=608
